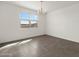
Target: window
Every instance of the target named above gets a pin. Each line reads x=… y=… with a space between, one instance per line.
x=28 y=20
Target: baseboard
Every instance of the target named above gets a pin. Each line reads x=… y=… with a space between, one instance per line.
x=62 y=38
x=14 y=41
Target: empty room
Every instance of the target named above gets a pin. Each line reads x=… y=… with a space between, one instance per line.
x=39 y=28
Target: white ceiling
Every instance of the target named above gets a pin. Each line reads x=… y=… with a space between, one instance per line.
x=47 y=5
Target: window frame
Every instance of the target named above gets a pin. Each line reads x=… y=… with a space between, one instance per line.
x=30 y=20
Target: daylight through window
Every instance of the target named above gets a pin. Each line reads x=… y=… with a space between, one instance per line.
x=28 y=20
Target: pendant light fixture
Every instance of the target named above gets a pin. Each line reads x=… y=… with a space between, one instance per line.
x=40 y=11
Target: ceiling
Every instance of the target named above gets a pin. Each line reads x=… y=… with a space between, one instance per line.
x=47 y=5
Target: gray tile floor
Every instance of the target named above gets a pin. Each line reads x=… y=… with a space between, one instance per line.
x=42 y=46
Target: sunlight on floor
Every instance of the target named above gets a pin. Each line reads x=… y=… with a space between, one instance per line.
x=25 y=41
x=9 y=45
x=14 y=44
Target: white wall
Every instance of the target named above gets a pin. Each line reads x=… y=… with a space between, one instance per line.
x=10 y=24
x=64 y=23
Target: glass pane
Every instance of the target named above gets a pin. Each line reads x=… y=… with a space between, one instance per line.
x=24 y=22
x=34 y=17
x=23 y=16
x=33 y=22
